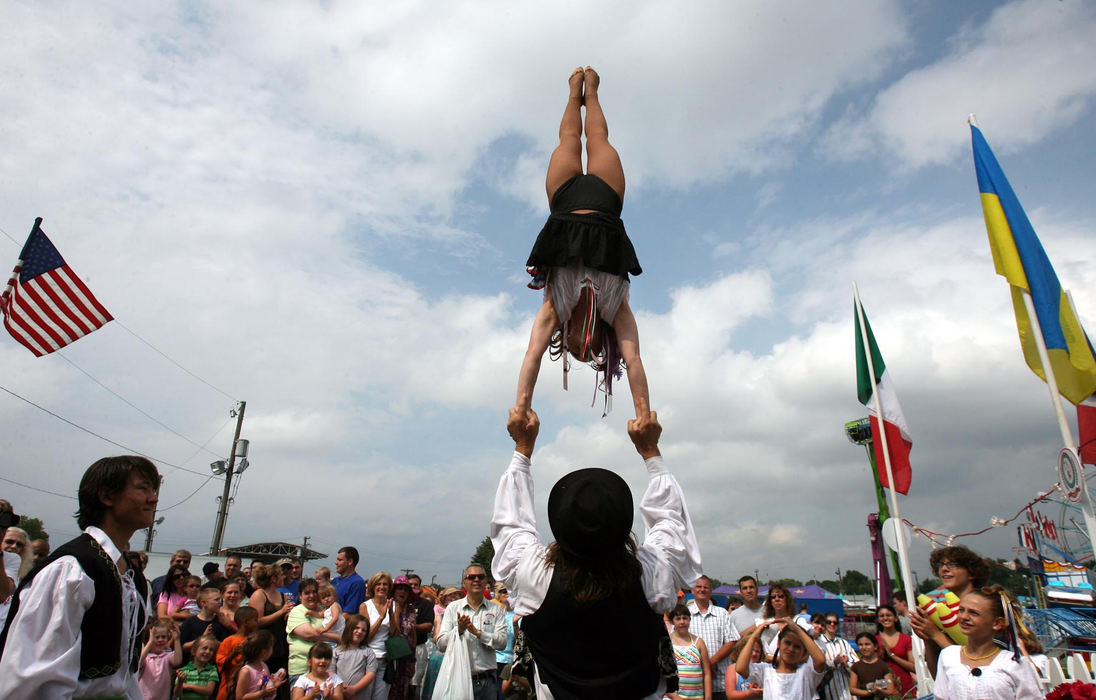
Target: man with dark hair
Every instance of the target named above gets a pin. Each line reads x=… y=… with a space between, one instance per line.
x=349 y=585
x=594 y=571
x=74 y=627
x=745 y=617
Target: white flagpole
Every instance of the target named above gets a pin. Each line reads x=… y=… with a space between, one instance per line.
x=1056 y=401
x=923 y=684
x=1056 y=398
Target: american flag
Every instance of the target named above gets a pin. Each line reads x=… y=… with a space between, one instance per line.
x=45 y=305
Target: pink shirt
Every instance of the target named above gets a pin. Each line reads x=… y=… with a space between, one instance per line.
x=155 y=676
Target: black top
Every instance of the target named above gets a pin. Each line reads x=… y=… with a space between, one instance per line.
x=586 y=192
x=576 y=666
x=101 y=628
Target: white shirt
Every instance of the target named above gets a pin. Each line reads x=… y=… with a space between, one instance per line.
x=1002 y=679
x=744 y=617
x=838 y=687
x=489 y=619
x=786 y=686
x=42 y=654
x=669 y=556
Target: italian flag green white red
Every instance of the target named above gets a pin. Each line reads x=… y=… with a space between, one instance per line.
x=893 y=423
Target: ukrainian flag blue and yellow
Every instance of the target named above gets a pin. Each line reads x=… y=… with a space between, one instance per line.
x=1019 y=257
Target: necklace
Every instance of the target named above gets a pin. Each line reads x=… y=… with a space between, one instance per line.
x=967 y=654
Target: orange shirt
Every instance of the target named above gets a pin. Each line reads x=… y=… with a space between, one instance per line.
x=225 y=664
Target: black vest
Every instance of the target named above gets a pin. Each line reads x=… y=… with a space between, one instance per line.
x=620 y=663
x=101 y=628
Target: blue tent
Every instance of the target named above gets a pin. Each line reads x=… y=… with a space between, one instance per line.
x=818 y=599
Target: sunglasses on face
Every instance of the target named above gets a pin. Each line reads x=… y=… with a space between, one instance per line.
x=476 y=577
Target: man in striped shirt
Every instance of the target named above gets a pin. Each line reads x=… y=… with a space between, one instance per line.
x=713 y=624
x=839 y=657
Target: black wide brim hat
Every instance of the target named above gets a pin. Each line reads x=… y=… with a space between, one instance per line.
x=590 y=512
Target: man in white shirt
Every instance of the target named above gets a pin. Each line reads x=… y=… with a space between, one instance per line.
x=745 y=617
x=712 y=624
x=75 y=624
x=482 y=628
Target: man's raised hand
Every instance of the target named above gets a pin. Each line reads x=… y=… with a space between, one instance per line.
x=645 y=433
x=523 y=427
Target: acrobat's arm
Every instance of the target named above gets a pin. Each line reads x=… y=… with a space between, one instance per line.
x=544 y=325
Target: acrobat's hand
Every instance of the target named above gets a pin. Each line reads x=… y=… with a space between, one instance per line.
x=645 y=433
x=523 y=427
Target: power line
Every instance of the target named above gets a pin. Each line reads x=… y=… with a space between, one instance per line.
x=95 y=434
x=164 y=355
x=35 y=488
x=134 y=407
x=161 y=510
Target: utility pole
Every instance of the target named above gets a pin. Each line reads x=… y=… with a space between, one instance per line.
x=301 y=551
x=840 y=587
x=222 y=511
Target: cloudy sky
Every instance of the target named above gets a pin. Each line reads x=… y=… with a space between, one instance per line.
x=324 y=209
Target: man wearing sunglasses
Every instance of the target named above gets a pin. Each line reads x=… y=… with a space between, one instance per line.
x=482 y=628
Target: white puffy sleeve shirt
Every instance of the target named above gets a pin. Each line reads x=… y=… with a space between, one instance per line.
x=42 y=655
x=669 y=555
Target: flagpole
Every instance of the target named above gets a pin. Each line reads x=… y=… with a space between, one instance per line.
x=903 y=556
x=1056 y=398
x=1059 y=410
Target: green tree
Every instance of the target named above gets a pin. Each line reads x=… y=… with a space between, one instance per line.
x=786 y=582
x=855 y=583
x=33 y=526
x=483 y=556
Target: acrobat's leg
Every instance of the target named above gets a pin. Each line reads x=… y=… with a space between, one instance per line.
x=566 y=161
x=601 y=158
x=544 y=325
x=627 y=333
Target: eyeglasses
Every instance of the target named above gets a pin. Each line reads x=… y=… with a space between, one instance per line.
x=831 y=622
x=949 y=565
x=476 y=577
x=778 y=596
x=15 y=543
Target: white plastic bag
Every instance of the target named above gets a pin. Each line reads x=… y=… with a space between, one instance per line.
x=455 y=675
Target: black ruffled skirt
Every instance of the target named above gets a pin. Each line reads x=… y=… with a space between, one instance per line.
x=598 y=239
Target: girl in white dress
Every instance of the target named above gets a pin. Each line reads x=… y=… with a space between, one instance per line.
x=795 y=670
x=981 y=668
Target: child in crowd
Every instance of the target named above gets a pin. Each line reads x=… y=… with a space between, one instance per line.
x=796 y=668
x=333 y=620
x=199 y=678
x=160 y=654
x=740 y=687
x=694 y=672
x=871 y=676
x=193 y=586
x=252 y=680
x=229 y=657
x=323 y=576
x=319 y=682
x=205 y=622
x=354 y=661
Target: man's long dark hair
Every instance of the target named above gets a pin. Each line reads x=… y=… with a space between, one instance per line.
x=597 y=578
x=109 y=476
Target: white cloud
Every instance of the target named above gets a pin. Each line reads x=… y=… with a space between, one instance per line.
x=1022 y=72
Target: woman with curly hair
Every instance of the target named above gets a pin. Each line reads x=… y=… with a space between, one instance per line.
x=779 y=605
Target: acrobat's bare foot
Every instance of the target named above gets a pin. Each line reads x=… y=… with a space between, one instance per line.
x=575 y=82
x=591 y=80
